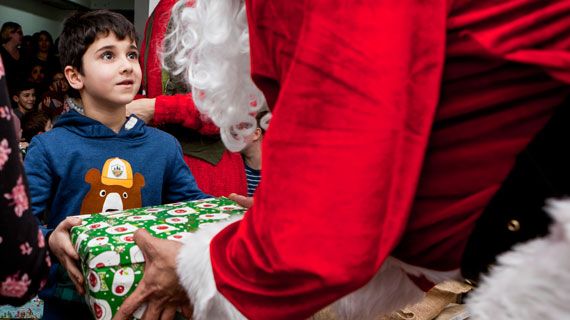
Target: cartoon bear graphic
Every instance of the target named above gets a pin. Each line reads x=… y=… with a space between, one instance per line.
x=113 y=189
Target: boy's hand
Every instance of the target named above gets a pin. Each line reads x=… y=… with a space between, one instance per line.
x=60 y=245
x=142 y=108
x=243 y=201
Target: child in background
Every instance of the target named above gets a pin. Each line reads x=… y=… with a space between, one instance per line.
x=251 y=154
x=53 y=101
x=24 y=96
x=37 y=75
x=34 y=123
x=95 y=159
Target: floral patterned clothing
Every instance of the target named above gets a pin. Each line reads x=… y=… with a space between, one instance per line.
x=23 y=249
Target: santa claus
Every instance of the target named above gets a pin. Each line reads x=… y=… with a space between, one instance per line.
x=394 y=126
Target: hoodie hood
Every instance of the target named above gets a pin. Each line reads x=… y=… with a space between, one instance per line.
x=87 y=127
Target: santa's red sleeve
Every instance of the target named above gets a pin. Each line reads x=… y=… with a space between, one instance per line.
x=342 y=157
x=354 y=90
x=180 y=109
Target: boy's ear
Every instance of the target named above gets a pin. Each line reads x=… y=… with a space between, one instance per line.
x=16 y=98
x=257 y=134
x=73 y=77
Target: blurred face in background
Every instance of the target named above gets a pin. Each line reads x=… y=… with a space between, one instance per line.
x=16 y=36
x=43 y=43
x=59 y=83
x=48 y=126
x=37 y=74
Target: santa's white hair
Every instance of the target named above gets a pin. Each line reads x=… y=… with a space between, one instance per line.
x=208 y=45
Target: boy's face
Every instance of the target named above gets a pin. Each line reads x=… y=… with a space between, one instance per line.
x=26 y=99
x=111 y=72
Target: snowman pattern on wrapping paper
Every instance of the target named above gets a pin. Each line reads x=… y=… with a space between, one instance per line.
x=116 y=264
x=123 y=281
x=184 y=211
x=101 y=309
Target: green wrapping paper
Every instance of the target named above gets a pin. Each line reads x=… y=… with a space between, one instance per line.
x=113 y=264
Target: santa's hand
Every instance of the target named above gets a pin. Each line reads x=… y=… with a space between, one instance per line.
x=243 y=201
x=142 y=108
x=60 y=245
x=159 y=287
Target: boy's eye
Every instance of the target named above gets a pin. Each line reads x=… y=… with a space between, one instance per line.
x=133 y=55
x=107 y=55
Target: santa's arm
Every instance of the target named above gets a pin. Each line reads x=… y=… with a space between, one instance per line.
x=180 y=109
x=341 y=159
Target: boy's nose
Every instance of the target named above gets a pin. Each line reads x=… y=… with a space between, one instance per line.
x=126 y=65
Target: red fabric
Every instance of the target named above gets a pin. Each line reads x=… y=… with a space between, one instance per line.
x=394 y=123
x=179 y=109
x=218 y=180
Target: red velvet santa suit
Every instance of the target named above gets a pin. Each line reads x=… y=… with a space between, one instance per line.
x=220 y=179
x=394 y=123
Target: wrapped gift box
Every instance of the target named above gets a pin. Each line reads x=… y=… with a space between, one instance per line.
x=113 y=264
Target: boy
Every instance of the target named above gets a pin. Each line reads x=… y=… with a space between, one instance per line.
x=24 y=96
x=251 y=154
x=95 y=160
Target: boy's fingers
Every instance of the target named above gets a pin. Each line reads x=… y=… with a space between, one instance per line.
x=74 y=273
x=70 y=222
x=69 y=251
x=78 y=285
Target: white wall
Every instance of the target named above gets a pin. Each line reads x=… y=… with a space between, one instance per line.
x=152 y=4
x=143 y=9
x=34 y=16
x=141 y=13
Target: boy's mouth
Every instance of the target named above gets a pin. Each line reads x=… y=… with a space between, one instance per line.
x=126 y=82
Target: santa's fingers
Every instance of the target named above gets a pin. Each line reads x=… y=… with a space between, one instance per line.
x=154 y=310
x=187 y=311
x=168 y=313
x=133 y=302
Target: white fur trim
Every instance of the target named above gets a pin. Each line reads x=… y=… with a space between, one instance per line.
x=194 y=269
x=530 y=282
x=390 y=289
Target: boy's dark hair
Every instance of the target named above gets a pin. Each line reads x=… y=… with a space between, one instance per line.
x=8 y=27
x=82 y=28
x=34 y=122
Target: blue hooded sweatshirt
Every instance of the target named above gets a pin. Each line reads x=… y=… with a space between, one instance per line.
x=82 y=166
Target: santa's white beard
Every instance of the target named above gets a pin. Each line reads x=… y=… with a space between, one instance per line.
x=208 y=45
